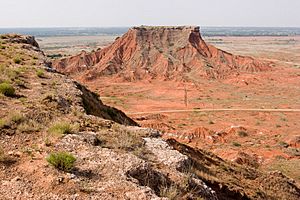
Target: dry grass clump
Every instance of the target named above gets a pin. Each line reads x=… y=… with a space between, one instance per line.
x=14 y=118
x=171 y=192
x=17 y=118
x=9 y=74
x=128 y=140
x=288 y=167
x=122 y=139
x=125 y=140
x=29 y=126
x=5 y=159
x=61 y=128
x=17 y=122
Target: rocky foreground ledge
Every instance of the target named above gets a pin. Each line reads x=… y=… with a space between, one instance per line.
x=44 y=114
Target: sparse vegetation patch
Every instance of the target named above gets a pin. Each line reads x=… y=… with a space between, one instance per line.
x=62 y=161
x=170 y=192
x=17 y=118
x=7 y=89
x=236 y=144
x=17 y=60
x=40 y=73
x=60 y=128
x=1 y=154
x=242 y=133
x=283 y=144
x=2 y=123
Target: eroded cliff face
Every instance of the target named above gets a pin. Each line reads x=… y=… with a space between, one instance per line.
x=164 y=53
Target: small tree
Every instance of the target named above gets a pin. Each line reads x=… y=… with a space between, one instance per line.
x=185 y=97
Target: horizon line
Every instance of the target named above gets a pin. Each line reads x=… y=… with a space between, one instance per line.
x=23 y=27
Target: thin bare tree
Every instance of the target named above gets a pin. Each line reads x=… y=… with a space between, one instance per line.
x=185 y=97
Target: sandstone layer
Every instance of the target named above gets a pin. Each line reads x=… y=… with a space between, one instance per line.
x=163 y=53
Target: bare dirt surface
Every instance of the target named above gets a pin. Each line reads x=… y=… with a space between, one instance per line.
x=216 y=110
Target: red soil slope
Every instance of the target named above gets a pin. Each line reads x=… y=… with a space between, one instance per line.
x=162 y=53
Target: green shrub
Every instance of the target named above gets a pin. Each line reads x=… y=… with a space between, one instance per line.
x=7 y=89
x=17 y=60
x=211 y=122
x=17 y=118
x=2 y=155
x=242 y=133
x=48 y=142
x=40 y=73
x=3 y=36
x=60 y=128
x=2 y=68
x=12 y=119
x=283 y=119
x=12 y=74
x=3 y=123
x=20 y=83
x=236 y=144
x=283 y=144
x=62 y=161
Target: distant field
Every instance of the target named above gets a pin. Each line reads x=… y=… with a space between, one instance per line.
x=206 y=31
x=70 y=41
x=71 y=45
x=282 y=49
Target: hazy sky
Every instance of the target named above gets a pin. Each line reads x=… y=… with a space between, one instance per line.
x=75 y=13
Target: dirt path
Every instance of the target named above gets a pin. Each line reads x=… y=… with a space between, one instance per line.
x=281 y=61
x=214 y=110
